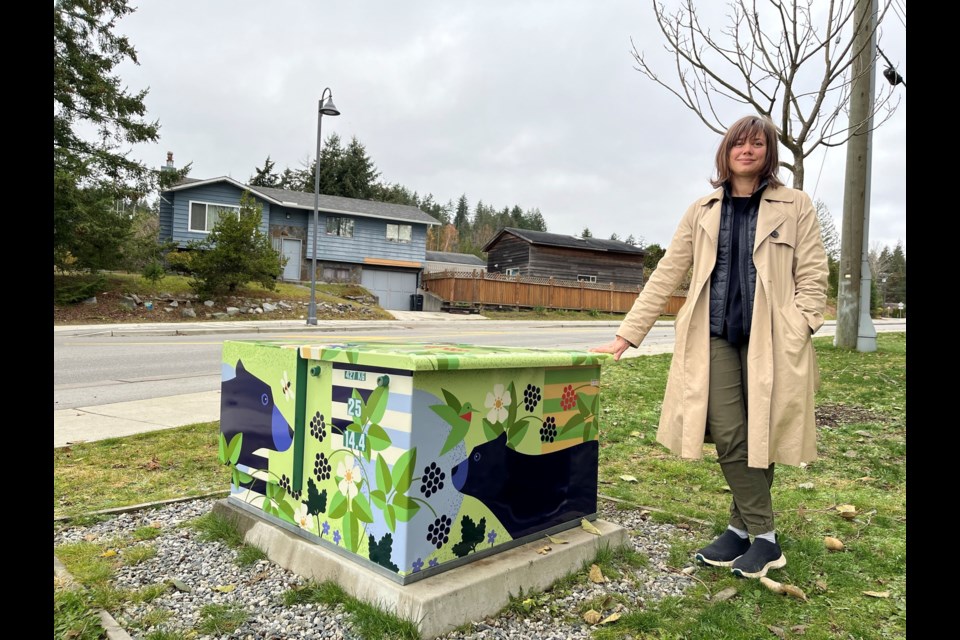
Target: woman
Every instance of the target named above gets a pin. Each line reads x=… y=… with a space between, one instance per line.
x=744 y=371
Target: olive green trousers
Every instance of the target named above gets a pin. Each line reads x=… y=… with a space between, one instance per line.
x=752 y=505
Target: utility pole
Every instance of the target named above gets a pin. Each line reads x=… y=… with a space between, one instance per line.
x=854 y=325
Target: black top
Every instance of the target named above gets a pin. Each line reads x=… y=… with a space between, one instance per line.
x=733 y=323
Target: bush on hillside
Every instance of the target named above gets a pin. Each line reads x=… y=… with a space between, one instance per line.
x=235 y=252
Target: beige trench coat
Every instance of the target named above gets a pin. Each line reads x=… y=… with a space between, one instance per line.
x=790 y=297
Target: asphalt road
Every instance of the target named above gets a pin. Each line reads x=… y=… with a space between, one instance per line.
x=95 y=369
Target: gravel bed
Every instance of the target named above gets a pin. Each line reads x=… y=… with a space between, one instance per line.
x=258 y=588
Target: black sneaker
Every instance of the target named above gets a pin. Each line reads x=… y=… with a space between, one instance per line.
x=762 y=556
x=724 y=550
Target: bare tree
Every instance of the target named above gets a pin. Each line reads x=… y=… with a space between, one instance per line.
x=788 y=60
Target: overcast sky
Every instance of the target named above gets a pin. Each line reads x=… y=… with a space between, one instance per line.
x=535 y=103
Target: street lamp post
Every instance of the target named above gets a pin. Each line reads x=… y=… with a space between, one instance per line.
x=323 y=108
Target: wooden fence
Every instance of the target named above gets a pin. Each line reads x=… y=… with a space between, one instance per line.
x=479 y=288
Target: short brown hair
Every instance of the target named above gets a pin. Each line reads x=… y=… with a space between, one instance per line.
x=747 y=127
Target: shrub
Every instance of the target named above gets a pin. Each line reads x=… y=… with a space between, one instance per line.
x=235 y=252
x=77 y=289
x=180 y=262
x=154 y=272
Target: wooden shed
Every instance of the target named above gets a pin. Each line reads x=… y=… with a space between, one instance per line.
x=553 y=255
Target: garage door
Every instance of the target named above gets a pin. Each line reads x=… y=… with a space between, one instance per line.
x=392 y=287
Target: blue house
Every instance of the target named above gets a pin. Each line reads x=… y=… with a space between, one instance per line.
x=379 y=245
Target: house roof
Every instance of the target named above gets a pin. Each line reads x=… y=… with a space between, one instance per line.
x=329 y=204
x=560 y=240
x=459 y=258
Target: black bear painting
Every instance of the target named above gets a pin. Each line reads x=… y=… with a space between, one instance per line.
x=247 y=406
x=530 y=493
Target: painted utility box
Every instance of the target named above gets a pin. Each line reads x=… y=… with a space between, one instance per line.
x=411 y=458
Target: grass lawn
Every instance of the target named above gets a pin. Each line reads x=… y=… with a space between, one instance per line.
x=855 y=492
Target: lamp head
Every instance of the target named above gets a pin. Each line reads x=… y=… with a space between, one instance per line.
x=892 y=76
x=328 y=108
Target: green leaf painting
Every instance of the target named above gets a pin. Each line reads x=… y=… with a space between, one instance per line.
x=377 y=438
x=351 y=532
x=405 y=508
x=379 y=499
x=338 y=505
x=377 y=404
x=384 y=479
x=390 y=515
x=516 y=432
x=361 y=508
x=403 y=470
x=492 y=431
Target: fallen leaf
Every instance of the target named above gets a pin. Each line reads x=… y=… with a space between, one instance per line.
x=89 y=537
x=799 y=629
x=556 y=540
x=847 y=511
x=592 y=617
x=688 y=571
x=877 y=594
x=634 y=433
x=796 y=592
x=695 y=487
x=833 y=544
x=606 y=603
x=866 y=479
x=225 y=588
x=628 y=478
x=153 y=465
x=596 y=575
x=805 y=485
x=777 y=631
x=773 y=585
x=850 y=453
x=865 y=434
x=109 y=553
x=725 y=594
x=156 y=524
x=180 y=585
x=544 y=550
x=644 y=513
x=821 y=585
x=588 y=527
x=613 y=617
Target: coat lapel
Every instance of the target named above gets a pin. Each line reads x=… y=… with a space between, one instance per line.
x=771 y=213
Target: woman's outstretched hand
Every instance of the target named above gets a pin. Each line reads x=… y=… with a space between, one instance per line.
x=617 y=347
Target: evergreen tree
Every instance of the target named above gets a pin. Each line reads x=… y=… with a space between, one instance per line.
x=614 y=236
x=654 y=253
x=90 y=173
x=461 y=220
x=235 y=252
x=631 y=240
x=265 y=177
x=586 y=233
x=534 y=221
x=831 y=245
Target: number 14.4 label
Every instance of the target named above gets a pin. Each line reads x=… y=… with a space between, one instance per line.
x=354 y=440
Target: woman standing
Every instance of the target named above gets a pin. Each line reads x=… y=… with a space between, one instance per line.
x=744 y=371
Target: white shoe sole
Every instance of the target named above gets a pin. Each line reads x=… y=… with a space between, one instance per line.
x=779 y=563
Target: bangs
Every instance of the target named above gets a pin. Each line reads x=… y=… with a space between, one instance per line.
x=745 y=129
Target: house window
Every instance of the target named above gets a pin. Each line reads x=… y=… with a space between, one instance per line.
x=512 y=271
x=398 y=232
x=339 y=227
x=203 y=215
x=586 y=278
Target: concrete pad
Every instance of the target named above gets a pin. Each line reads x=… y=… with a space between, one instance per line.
x=86 y=424
x=443 y=601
